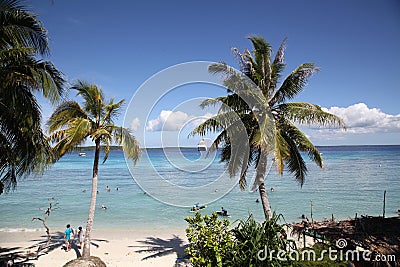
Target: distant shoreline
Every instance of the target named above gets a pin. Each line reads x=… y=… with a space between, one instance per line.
x=90 y=148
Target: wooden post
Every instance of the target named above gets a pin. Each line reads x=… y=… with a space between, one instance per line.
x=384 y=203
x=312 y=220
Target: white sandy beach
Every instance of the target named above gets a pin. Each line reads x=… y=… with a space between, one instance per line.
x=140 y=248
x=114 y=247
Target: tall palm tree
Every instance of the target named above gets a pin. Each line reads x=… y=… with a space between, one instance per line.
x=22 y=142
x=71 y=124
x=268 y=119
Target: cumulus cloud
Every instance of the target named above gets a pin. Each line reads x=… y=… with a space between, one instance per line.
x=360 y=119
x=135 y=124
x=169 y=120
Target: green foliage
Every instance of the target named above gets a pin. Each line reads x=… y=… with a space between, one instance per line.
x=250 y=243
x=252 y=237
x=23 y=40
x=210 y=241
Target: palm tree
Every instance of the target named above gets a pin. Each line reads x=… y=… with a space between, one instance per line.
x=265 y=115
x=22 y=142
x=21 y=28
x=70 y=125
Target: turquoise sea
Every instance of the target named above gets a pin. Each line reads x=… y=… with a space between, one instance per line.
x=353 y=181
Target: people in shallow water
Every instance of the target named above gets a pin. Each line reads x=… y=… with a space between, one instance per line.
x=272 y=189
x=103 y=207
x=224 y=211
x=197 y=207
x=257 y=200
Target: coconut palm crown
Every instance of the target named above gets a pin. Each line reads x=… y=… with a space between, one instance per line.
x=23 y=145
x=275 y=116
x=71 y=124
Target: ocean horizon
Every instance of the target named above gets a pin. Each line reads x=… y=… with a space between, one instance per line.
x=353 y=182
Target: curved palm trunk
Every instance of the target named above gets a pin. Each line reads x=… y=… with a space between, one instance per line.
x=86 y=246
x=260 y=176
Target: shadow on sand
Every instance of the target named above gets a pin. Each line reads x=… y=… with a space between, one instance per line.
x=158 y=247
x=26 y=256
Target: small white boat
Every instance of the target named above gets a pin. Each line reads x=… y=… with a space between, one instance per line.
x=82 y=154
x=201 y=146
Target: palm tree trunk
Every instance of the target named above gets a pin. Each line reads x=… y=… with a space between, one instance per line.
x=265 y=201
x=260 y=177
x=86 y=246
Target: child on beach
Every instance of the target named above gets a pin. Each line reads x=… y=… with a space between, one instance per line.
x=67 y=235
x=81 y=236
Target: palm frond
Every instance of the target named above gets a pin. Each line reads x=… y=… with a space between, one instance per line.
x=294 y=83
x=311 y=114
x=281 y=152
x=294 y=161
x=111 y=111
x=93 y=98
x=78 y=130
x=106 y=142
x=64 y=113
x=130 y=145
x=217 y=123
x=21 y=28
x=222 y=69
x=278 y=66
x=302 y=142
x=19 y=67
x=262 y=52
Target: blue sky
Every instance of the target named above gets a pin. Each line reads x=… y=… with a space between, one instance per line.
x=120 y=44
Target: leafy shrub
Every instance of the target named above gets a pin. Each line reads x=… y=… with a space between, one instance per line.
x=254 y=241
x=210 y=241
x=250 y=244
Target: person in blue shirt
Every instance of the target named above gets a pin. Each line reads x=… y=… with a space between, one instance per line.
x=68 y=233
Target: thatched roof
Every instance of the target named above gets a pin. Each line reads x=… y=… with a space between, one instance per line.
x=377 y=234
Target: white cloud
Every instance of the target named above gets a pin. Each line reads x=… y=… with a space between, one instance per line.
x=135 y=124
x=199 y=120
x=360 y=119
x=168 y=121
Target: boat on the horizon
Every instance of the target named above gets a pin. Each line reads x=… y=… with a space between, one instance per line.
x=201 y=146
x=82 y=154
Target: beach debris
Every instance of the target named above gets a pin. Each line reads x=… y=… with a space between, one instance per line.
x=52 y=205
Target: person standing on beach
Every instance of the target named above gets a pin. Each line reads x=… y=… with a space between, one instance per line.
x=81 y=236
x=67 y=236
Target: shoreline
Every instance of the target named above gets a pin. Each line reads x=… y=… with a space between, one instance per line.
x=114 y=246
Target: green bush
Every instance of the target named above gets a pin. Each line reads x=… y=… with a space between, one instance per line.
x=210 y=241
x=250 y=244
x=255 y=241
